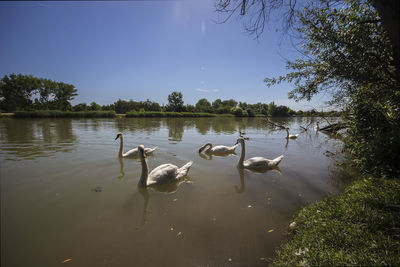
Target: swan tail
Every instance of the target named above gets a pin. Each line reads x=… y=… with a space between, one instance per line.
x=184 y=170
x=276 y=161
x=152 y=150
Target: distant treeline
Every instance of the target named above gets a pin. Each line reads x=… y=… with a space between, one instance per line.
x=23 y=93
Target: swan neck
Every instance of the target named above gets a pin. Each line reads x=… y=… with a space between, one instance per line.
x=121 y=146
x=145 y=172
x=242 y=155
x=287 y=133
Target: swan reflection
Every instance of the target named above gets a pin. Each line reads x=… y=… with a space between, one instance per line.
x=209 y=156
x=240 y=170
x=168 y=188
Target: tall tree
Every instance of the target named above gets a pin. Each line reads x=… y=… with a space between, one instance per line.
x=203 y=105
x=175 y=102
x=351 y=51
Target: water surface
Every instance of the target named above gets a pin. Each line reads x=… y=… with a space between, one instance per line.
x=66 y=195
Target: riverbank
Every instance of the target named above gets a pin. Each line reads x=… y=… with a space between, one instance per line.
x=104 y=114
x=359 y=227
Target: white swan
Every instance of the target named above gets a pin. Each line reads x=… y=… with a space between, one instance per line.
x=161 y=174
x=290 y=136
x=218 y=149
x=316 y=127
x=133 y=152
x=256 y=163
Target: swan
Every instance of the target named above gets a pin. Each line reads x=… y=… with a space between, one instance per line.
x=316 y=127
x=218 y=149
x=161 y=174
x=131 y=153
x=256 y=163
x=290 y=136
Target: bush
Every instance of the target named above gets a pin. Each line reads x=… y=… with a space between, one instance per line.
x=250 y=112
x=167 y=114
x=373 y=140
x=239 y=112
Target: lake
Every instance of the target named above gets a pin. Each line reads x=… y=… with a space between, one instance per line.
x=67 y=197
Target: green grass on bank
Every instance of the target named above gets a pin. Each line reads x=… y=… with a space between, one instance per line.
x=359 y=227
x=64 y=114
x=167 y=114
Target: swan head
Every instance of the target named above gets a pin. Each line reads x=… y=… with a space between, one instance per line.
x=141 y=151
x=240 y=140
x=118 y=135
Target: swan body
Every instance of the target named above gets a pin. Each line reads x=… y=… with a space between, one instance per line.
x=209 y=148
x=256 y=163
x=291 y=136
x=316 y=127
x=161 y=174
x=133 y=152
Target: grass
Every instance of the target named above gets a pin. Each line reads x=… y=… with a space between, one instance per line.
x=64 y=114
x=359 y=227
x=167 y=114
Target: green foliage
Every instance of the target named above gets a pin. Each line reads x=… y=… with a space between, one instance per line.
x=80 y=107
x=349 y=54
x=175 y=102
x=203 y=106
x=239 y=112
x=356 y=229
x=168 y=114
x=346 y=48
x=24 y=92
x=94 y=106
x=250 y=112
x=373 y=137
x=64 y=114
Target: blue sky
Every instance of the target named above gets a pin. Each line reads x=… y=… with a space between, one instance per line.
x=144 y=50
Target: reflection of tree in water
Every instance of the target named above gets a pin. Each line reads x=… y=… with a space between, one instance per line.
x=224 y=125
x=147 y=125
x=203 y=125
x=175 y=128
x=28 y=139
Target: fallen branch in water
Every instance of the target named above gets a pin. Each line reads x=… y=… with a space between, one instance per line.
x=276 y=124
x=335 y=127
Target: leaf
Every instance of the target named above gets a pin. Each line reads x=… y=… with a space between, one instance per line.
x=270 y=231
x=175 y=200
x=67 y=260
x=172 y=229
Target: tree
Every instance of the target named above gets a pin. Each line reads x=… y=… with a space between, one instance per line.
x=175 y=102
x=230 y=103
x=203 y=105
x=351 y=51
x=261 y=11
x=216 y=104
x=17 y=93
x=94 y=106
x=80 y=107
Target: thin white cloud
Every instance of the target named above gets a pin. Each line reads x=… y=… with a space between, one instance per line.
x=206 y=90
x=202 y=90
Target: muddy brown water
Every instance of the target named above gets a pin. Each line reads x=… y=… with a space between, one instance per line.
x=66 y=196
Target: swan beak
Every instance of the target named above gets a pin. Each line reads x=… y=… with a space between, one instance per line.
x=116 y=137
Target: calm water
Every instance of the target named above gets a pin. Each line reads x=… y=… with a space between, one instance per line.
x=66 y=195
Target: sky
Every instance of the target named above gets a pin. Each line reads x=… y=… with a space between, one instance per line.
x=145 y=50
